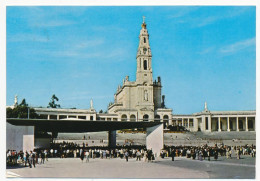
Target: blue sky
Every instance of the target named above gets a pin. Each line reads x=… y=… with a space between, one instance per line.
x=202 y=53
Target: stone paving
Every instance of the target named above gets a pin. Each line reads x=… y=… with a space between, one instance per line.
x=119 y=168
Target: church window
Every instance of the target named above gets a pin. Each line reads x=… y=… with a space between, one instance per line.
x=157 y=118
x=132 y=118
x=145 y=117
x=165 y=121
x=123 y=117
x=145 y=64
x=144 y=40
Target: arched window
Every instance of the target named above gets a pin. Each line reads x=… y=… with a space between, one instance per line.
x=123 y=117
x=144 y=40
x=145 y=64
x=157 y=118
x=165 y=121
x=145 y=117
x=132 y=118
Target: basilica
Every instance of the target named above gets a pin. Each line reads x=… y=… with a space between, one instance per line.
x=142 y=100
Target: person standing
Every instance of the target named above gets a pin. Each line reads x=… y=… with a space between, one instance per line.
x=138 y=155
x=33 y=158
x=82 y=156
x=42 y=157
x=208 y=152
x=30 y=159
x=173 y=154
x=87 y=156
x=126 y=155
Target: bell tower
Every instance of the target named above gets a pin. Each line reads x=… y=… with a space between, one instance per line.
x=144 y=73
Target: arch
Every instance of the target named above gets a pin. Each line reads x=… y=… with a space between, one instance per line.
x=124 y=117
x=132 y=118
x=157 y=118
x=144 y=40
x=145 y=117
x=165 y=121
x=145 y=64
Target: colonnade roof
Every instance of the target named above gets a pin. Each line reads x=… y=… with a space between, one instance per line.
x=77 y=126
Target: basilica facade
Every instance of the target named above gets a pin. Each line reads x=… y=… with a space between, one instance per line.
x=141 y=100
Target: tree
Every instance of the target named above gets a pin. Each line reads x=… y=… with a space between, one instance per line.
x=52 y=103
x=21 y=111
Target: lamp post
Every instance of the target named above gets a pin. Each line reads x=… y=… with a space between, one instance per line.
x=28 y=112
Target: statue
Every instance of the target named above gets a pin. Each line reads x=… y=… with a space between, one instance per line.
x=145 y=95
x=91 y=104
x=205 y=107
x=163 y=103
x=15 y=100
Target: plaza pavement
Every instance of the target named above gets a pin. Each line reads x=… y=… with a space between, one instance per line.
x=161 y=168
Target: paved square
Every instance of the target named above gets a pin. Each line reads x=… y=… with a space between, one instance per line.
x=160 y=168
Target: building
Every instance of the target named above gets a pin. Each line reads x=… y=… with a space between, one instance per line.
x=141 y=100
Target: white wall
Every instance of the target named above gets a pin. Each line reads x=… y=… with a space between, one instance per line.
x=154 y=139
x=19 y=137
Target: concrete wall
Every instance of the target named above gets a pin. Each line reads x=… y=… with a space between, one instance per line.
x=19 y=137
x=154 y=139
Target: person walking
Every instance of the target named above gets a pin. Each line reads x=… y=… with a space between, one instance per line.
x=33 y=158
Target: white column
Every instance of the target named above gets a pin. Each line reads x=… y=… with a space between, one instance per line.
x=176 y=122
x=195 y=124
x=228 y=127
x=48 y=117
x=58 y=117
x=246 y=124
x=67 y=116
x=219 y=128
x=209 y=123
x=182 y=122
x=77 y=116
x=188 y=123
x=237 y=124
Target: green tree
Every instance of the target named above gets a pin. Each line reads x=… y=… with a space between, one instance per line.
x=21 y=111
x=52 y=103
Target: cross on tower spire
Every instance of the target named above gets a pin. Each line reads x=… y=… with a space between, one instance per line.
x=143 y=19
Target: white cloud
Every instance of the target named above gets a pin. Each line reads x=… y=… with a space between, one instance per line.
x=28 y=37
x=53 y=23
x=206 y=50
x=240 y=45
x=231 y=13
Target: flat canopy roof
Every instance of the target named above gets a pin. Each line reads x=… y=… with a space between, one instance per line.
x=77 y=126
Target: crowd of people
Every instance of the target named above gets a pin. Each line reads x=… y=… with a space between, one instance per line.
x=138 y=152
x=203 y=152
